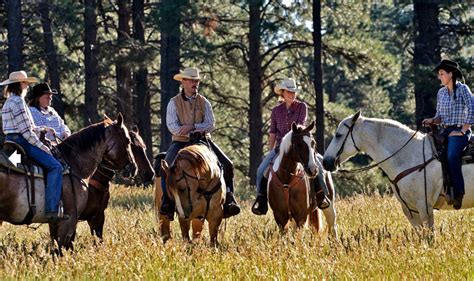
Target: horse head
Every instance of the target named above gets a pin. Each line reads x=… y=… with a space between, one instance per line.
x=302 y=147
x=194 y=176
x=145 y=169
x=118 y=152
x=343 y=145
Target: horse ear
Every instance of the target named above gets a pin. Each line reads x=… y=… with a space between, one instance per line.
x=120 y=119
x=310 y=127
x=165 y=167
x=135 y=129
x=355 y=117
x=294 y=127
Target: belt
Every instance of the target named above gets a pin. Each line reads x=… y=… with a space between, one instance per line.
x=451 y=126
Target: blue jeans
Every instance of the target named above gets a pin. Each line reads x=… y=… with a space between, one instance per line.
x=456 y=145
x=170 y=157
x=261 y=169
x=53 y=169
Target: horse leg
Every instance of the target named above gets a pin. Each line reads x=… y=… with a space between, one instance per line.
x=330 y=215
x=214 y=223
x=96 y=224
x=185 y=226
x=164 y=225
x=197 y=228
x=315 y=219
x=162 y=222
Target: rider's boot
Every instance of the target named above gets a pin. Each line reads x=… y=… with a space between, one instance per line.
x=231 y=208
x=168 y=206
x=260 y=207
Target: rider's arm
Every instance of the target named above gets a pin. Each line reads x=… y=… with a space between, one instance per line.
x=208 y=123
x=24 y=122
x=172 y=121
x=271 y=141
x=303 y=115
x=467 y=97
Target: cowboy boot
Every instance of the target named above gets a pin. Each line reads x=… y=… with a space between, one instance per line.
x=322 y=201
x=458 y=201
x=260 y=207
x=231 y=208
x=168 y=206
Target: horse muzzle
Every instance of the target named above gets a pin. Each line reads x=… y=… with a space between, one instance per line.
x=311 y=171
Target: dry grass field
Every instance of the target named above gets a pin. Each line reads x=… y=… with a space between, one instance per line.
x=376 y=241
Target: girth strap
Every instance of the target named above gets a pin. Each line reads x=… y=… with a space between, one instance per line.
x=286 y=187
x=208 y=195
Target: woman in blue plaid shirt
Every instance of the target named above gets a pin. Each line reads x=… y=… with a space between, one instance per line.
x=455 y=113
x=18 y=126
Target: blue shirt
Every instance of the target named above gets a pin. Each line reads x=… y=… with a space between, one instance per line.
x=455 y=112
x=173 y=124
x=48 y=117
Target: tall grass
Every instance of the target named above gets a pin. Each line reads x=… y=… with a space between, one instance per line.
x=376 y=241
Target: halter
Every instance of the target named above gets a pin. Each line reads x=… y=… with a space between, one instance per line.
x=203 y=192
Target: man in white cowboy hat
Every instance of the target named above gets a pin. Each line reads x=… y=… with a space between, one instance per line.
x=283 y=115
x=186 y=112
x=18 y=126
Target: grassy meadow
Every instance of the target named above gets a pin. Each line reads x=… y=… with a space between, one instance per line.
x=376 y=242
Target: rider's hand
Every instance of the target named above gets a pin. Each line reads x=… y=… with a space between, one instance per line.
x=427 y=122
x=184 y=130
x=456 y=133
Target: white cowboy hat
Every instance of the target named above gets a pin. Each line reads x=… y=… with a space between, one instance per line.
x=188 y=73
x=288 y=84
x=18 y=76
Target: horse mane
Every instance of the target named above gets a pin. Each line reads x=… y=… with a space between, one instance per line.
x=201 y=158
x=84 y=138
x=383 y=123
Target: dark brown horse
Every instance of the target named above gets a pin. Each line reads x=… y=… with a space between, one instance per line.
x=99 y=183
x=83 y=151
x=288 y=184
x=196 y=183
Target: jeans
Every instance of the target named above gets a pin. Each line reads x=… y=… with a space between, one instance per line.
x=456 y=145
x=54 y=171
x=261 y=169
x=170 y=157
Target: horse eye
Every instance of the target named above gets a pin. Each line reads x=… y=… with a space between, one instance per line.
x=338 y=135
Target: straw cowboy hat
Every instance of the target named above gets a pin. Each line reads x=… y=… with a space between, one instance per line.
x=18 y=76
x=449 y=66
x=41 y=89
x=188 y=73
x=288 y=84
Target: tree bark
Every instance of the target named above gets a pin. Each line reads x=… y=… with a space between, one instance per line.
x=15 y=36
x=51 y=57
x=142 y=102
x=318 y=76
x=255 y=86
x=91 y=50
x=169 y=53
x=122 y=70
x=426 y=55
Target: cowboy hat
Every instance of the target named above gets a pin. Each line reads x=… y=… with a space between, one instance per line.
x=288 y=84
x=449 y=66
x=41 y=89
x=18 y=76
x=188 y=73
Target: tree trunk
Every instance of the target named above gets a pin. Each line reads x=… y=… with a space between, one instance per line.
x=169 y=52
x=51 y=57
x=15 y=36
x=91 y=50
x=426 y=55
x=142 y=102
x=255 y=86
x=318 y=76
x=122 y=70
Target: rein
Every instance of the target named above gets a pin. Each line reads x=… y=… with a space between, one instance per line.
x=366 y=168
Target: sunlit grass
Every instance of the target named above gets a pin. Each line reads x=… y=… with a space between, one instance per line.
x=376 y=241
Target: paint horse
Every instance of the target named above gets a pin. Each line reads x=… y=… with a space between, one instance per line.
x=99 y=184
x=82 y=151
x=196 y=183
x=406 y=157
x=289 y=192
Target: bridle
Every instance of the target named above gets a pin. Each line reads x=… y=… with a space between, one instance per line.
x=294 y=148
x=349 y=132
x=203 y=192
x=110 y=165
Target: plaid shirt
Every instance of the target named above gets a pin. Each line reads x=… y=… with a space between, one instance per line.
x=282 y=118
x=16 y=119
x=48 y=117
x=455 y=112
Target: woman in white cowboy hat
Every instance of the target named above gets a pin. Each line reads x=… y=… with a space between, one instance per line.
x=283 y=115
x=18 y=126
x=186 y=112
x=455 y=113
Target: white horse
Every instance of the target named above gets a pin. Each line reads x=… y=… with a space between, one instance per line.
x=404 y=148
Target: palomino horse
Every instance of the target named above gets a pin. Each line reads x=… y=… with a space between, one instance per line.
x=99 y=183
x=405 y=156
x=289 y=193
x=196 y=183
x=83 y=151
